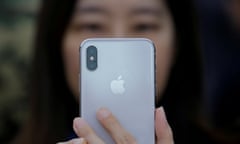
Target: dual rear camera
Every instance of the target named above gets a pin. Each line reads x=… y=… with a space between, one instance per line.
x=92 y=58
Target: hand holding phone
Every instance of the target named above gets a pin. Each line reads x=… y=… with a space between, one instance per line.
x=118 y=133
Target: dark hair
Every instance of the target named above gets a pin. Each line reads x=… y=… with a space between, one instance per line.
x=182 y=96
x=54 y=107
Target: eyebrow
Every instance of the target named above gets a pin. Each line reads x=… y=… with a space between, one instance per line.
x=91 y=9
x=147 y=11
x=95 y=9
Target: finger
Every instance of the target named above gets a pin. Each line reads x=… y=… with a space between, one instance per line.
x=83 y=130
x=75 y=141
x=163 y=130
x=111 y=124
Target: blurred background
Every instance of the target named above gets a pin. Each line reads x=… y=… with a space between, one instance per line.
x=219 y=24
x=17 y=28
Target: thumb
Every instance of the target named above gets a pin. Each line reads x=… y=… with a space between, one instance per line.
x=162 y=128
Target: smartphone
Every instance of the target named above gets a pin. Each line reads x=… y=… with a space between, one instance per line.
x=119 y=74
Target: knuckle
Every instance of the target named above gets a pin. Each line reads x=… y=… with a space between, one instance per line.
x=126 y=139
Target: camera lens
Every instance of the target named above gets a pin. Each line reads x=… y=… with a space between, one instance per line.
x=91 y=58
x=91 y=50
x=92 y=66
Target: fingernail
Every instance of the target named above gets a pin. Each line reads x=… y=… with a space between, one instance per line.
x=79 y=123
x=103 y=113
x=162 y=113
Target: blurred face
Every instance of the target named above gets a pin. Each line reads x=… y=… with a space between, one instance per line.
x=120 y=18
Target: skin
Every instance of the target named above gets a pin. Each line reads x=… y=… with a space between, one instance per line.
x=126 y=18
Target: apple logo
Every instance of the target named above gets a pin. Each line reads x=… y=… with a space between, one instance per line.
x=117 y=86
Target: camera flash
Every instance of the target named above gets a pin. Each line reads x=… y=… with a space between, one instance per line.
x=91 y=58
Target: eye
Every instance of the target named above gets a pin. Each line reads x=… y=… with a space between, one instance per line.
x=146 y=27
x=92 y=27
x=89 y=27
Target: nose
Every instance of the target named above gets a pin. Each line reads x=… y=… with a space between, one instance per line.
x=119 y=29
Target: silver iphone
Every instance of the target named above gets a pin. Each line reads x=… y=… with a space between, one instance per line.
x=119 y=74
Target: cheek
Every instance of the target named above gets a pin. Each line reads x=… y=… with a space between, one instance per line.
x=71 y=62
x=164 y=44
x=163 y=63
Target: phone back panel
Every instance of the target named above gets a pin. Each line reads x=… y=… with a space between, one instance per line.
x=123 y=82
